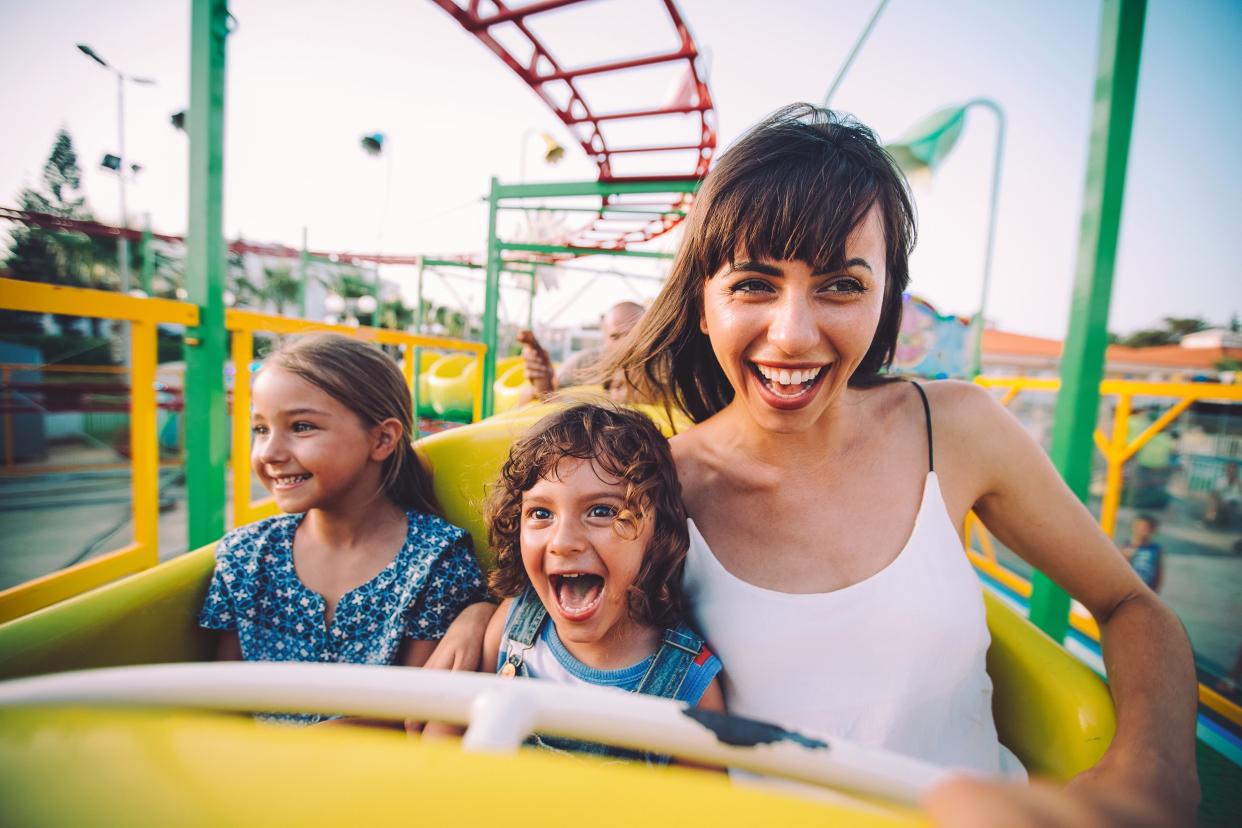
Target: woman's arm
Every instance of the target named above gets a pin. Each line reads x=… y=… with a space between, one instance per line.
x=491 y=648
x=461 y=646
x=228 y=647
x=1022 y=499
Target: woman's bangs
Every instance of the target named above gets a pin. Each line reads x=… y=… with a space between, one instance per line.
x=787 y=212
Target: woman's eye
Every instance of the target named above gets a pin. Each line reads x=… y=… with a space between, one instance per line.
x=750 y=286
x=847 y=285
x=601 y=511
x=302 y=428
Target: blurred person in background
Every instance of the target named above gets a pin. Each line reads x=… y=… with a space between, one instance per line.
x=579 y=369
x=1144 y=554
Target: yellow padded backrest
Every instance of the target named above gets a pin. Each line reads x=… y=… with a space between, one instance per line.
x=1051 y=710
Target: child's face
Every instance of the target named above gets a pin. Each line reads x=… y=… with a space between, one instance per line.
x=1140 y=532
x=309 y=450
x=578 y=563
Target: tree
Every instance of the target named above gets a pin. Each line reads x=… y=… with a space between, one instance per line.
x=1181 y=326
x=1175 y=327
x=37 y=254
x=396 y=315
x=281 y=287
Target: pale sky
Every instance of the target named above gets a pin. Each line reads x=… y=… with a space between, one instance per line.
x=307 y=79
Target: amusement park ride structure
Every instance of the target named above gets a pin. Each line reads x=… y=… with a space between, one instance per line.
x=617 y=221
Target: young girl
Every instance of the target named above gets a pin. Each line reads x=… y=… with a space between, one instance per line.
x=360 y=569
x=590 y=534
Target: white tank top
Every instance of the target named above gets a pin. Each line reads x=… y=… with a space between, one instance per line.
x=896 y=661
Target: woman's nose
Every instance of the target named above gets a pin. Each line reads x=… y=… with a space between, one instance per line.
x=793 y=329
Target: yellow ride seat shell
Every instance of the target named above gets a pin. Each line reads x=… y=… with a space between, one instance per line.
x=1051 y=710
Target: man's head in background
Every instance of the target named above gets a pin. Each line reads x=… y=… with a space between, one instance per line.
x=618 y=321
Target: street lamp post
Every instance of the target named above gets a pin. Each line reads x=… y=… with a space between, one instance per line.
x=925 y=146
x=123 y=246
x=373 y=144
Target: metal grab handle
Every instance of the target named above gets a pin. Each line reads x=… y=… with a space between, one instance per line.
x=500 y=712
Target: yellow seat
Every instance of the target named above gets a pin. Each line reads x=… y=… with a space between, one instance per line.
x=1051 y=710
x=508 y=387
x=450 y=386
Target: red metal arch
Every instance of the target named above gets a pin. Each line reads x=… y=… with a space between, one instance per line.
x=542 y=69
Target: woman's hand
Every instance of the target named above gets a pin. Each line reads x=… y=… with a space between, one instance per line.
x=462 y=645
x=1093 y=799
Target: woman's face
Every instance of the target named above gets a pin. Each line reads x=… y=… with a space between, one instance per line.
x=789 y=338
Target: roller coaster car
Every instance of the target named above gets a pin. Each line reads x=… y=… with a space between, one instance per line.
x=87 y=763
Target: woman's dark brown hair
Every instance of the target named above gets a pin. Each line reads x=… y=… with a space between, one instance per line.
x=794 y=187
x=627 y=446
x=365 y=380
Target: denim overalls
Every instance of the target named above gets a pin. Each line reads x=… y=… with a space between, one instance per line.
x=679 y=650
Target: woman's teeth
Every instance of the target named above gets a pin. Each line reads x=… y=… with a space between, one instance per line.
x=787 y=377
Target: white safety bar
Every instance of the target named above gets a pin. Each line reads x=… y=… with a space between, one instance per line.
x=500 y=712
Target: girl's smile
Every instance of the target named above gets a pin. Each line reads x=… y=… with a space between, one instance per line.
x=582 y=561
x=309 y=450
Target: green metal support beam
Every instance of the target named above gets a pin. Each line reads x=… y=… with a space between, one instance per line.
x=618 y=210
x=206 y=424
x=499 y=193
x=148 y=256
x=303 y=275
x=1082 y=363
x=553 y=189
x=582 y=251
x=491 y=301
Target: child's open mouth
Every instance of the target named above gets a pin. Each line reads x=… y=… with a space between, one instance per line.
x=289 y=481
x=577 y=594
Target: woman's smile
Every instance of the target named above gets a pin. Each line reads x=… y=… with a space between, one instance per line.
x=789 y=388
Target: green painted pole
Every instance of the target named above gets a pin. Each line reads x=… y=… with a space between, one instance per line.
x=980 y=321
x=303 y=275
x=530 y=305
x=1082 y=363
x=567 y=189
x=207 y=438
x=582 y=251
x=491 y=303
x=148 y=256
x=418 y=352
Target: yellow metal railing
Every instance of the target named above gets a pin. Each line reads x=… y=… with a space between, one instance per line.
x=243 y=325
x=1117 y=448
x=143 y=315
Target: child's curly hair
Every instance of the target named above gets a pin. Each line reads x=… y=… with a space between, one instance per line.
x=626 y=445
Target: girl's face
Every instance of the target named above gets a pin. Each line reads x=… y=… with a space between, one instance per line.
x=579 y=564
x=789 y=338
x=308 y=449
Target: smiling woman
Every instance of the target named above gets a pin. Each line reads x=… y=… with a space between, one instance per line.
x=826 y=501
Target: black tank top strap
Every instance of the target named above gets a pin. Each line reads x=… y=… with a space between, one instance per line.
x=931 y=465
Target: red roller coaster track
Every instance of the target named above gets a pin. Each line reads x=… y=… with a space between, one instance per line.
x=546 y=76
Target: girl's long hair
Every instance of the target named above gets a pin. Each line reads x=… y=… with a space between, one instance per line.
x=365 y=380
x=793 y=187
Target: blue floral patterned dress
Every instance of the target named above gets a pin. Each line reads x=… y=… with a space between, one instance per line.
x=256 y=591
